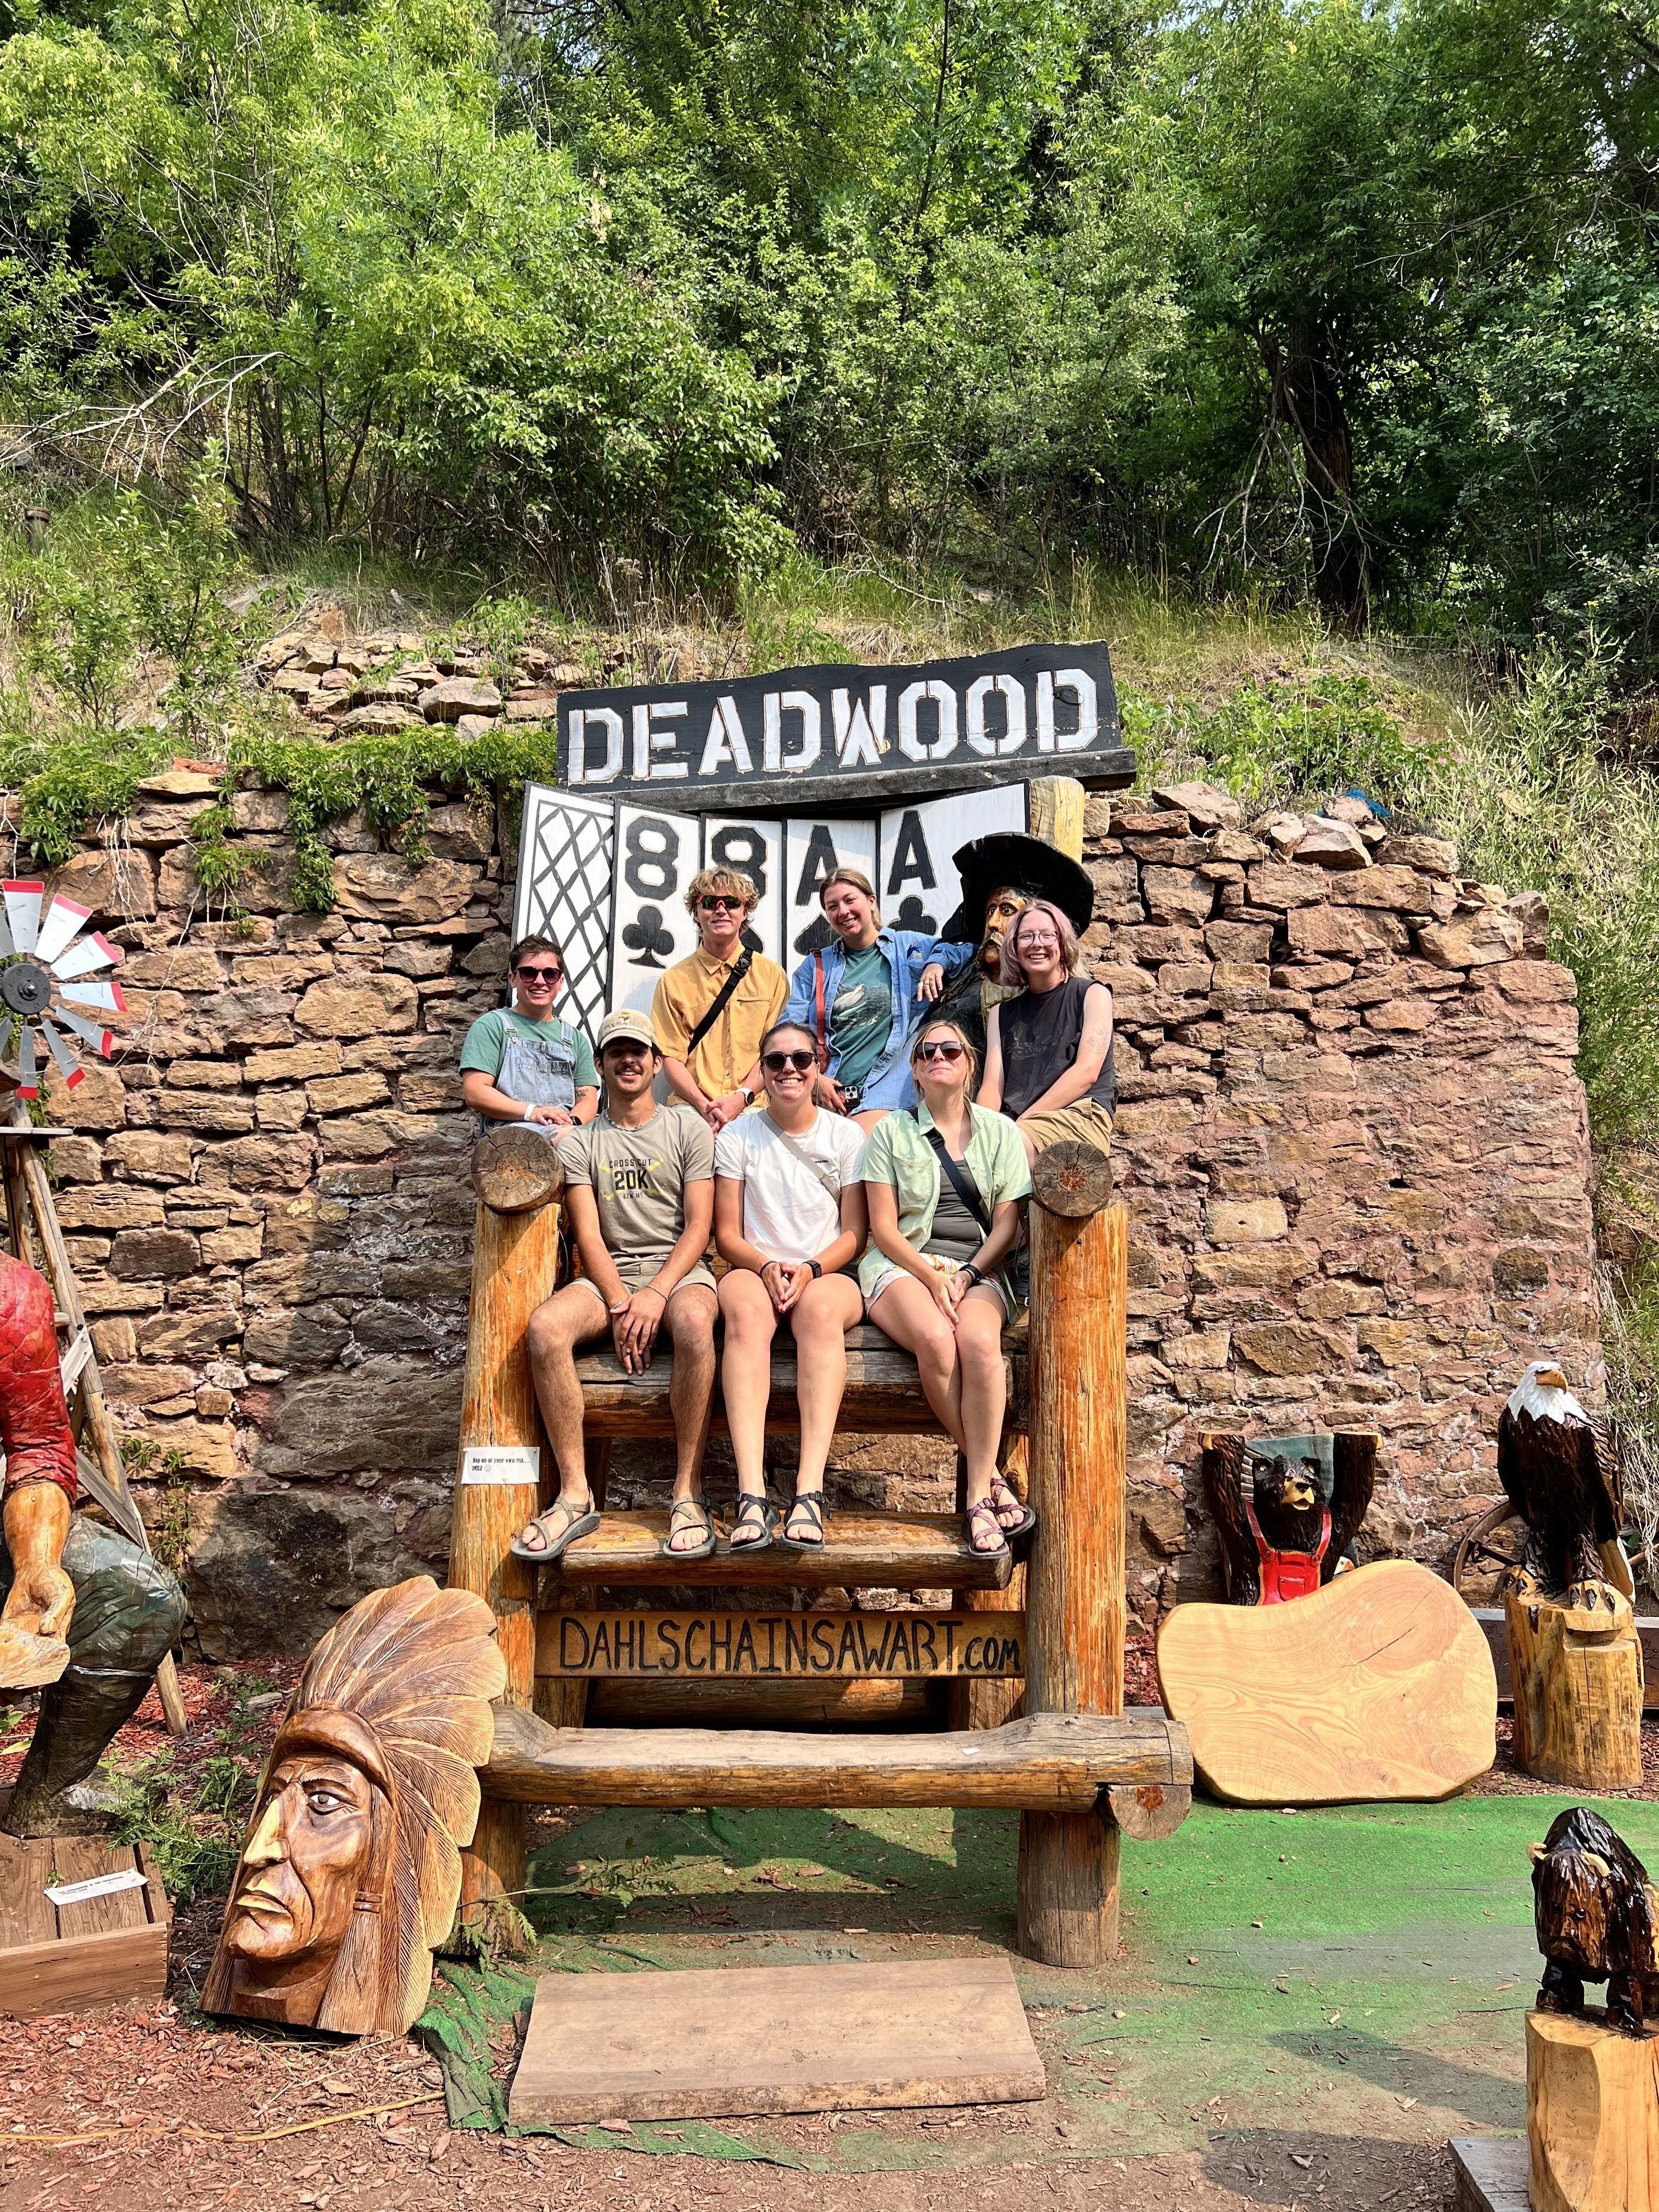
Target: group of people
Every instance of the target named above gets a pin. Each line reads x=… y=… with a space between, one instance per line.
x=857 y=1141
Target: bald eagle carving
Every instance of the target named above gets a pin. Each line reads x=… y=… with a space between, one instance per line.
x=1555 y=1463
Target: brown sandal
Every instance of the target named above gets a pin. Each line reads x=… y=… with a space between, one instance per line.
x=1003 y=1495
x=984 y=1550
x=579 y=1521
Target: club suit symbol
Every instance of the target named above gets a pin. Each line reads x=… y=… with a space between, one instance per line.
x=647 y=939
x=913 y=915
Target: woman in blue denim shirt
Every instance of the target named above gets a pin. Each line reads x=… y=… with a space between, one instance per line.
x=862 y=997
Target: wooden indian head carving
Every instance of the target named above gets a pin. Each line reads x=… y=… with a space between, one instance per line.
x=351 y=1870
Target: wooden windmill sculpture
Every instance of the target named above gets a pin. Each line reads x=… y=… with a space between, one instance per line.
x=50 y=982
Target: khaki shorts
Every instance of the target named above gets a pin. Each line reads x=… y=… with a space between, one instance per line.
x=1088 y=1121
x=695 y=1278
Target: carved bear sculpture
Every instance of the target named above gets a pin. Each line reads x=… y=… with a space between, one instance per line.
x=1596 y=1913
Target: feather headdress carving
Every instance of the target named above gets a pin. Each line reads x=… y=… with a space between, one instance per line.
x=400 y=1689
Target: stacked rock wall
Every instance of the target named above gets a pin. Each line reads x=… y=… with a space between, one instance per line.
x=1350 y=1135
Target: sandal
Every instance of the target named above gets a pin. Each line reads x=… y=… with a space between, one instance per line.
x=984 y=1550
x=684 y=1513
x=1003 y=1495
x=817 y=1511
x=578 y=1521
x=750 y=1504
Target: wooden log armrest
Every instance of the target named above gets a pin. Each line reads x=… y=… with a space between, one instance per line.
x=1048 y=1762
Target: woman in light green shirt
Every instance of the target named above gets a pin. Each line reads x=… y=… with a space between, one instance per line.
x=945 y=1180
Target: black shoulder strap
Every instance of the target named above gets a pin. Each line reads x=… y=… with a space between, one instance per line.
x=720 y=997
x=962 y=1181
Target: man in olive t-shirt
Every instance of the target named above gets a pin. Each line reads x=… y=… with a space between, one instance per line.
x=639 y=1190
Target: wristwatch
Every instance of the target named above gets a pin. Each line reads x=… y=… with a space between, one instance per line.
x=745 y=1094
x=817 y=1266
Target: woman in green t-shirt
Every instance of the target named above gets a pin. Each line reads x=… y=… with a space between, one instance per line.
x=945 y=1180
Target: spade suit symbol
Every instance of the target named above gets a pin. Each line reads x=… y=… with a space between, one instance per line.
x=647 y=938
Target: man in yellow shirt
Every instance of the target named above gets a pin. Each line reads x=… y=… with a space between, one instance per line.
x=711 y=1011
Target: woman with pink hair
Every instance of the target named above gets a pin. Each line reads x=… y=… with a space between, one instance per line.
x=1049 y=1052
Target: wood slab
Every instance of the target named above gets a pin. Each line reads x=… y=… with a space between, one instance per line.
x=727 y=2043
x=861 y=1551
x=1048 y=1762
x=1380 y=1686
x=1489 y=2173
x=75 y=1957
x=883 y=1396
x=1592 y=2116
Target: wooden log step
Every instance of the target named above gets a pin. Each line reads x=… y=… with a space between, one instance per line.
x=864 y=1550
x=883 y=1397
x=851 y=1701
x=1050 y=1762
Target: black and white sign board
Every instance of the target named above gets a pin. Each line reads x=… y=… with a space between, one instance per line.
x=650 y=927
x=814 y=847
x=608 y=883
x=918 y=886
x=755 y=849
x=821 y=736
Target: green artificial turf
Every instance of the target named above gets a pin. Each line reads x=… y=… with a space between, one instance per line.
x=1361 y=1972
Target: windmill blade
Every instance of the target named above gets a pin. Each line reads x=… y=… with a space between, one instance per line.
x=29 y=1087
x=67 y=1066
x=107 y=997
x=61 y=921
x=101 y=1041
x=22 y=904
x=82 y=959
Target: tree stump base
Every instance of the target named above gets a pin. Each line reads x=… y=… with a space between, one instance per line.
x=1576 y=1677
x=1592 y=2117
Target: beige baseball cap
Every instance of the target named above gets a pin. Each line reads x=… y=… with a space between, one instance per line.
x=635 y=1028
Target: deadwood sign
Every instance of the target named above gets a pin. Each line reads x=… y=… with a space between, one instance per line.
x=787 y=777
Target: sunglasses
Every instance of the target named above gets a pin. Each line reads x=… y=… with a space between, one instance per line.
x=938 y=1052
x=719 y=903
x=775 y=1062
x=539 y=975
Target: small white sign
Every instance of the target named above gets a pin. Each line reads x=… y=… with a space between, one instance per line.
x=502 y=1463
x=99 y=1885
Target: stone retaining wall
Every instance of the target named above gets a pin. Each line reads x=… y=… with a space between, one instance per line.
x=1350 y=1134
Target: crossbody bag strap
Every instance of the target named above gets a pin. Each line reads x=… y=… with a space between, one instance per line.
x=818 y=1011
x=720 y=998
x=812 y=1166
x=963 y=1180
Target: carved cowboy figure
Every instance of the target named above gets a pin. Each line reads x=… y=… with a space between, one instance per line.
x=1000 y=876
x=63 y=1576
x=351 y=1871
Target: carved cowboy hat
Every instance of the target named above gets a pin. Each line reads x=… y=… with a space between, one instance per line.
x=1021 y=864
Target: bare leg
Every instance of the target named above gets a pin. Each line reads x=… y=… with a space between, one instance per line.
x=571 y=1317
x=746 y=1376
x=820 y=1318
x=689 y=1321
x=868 y=1118
x=982 y=1383
x=906 y=1311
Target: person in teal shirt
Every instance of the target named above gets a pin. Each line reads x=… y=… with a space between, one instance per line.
x=523 y=1063
x=946 y=1181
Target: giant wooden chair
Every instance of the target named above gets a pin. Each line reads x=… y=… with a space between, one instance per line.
x=1080 y=1770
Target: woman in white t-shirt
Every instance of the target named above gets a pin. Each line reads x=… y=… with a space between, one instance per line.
x=789 y=1220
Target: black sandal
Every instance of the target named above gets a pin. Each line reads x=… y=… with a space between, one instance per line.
x=577 y=1523
x=749 y=1503
x=819 y=1509
x=985 y=1551
x=1009 y=1496
x=682 y=1506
